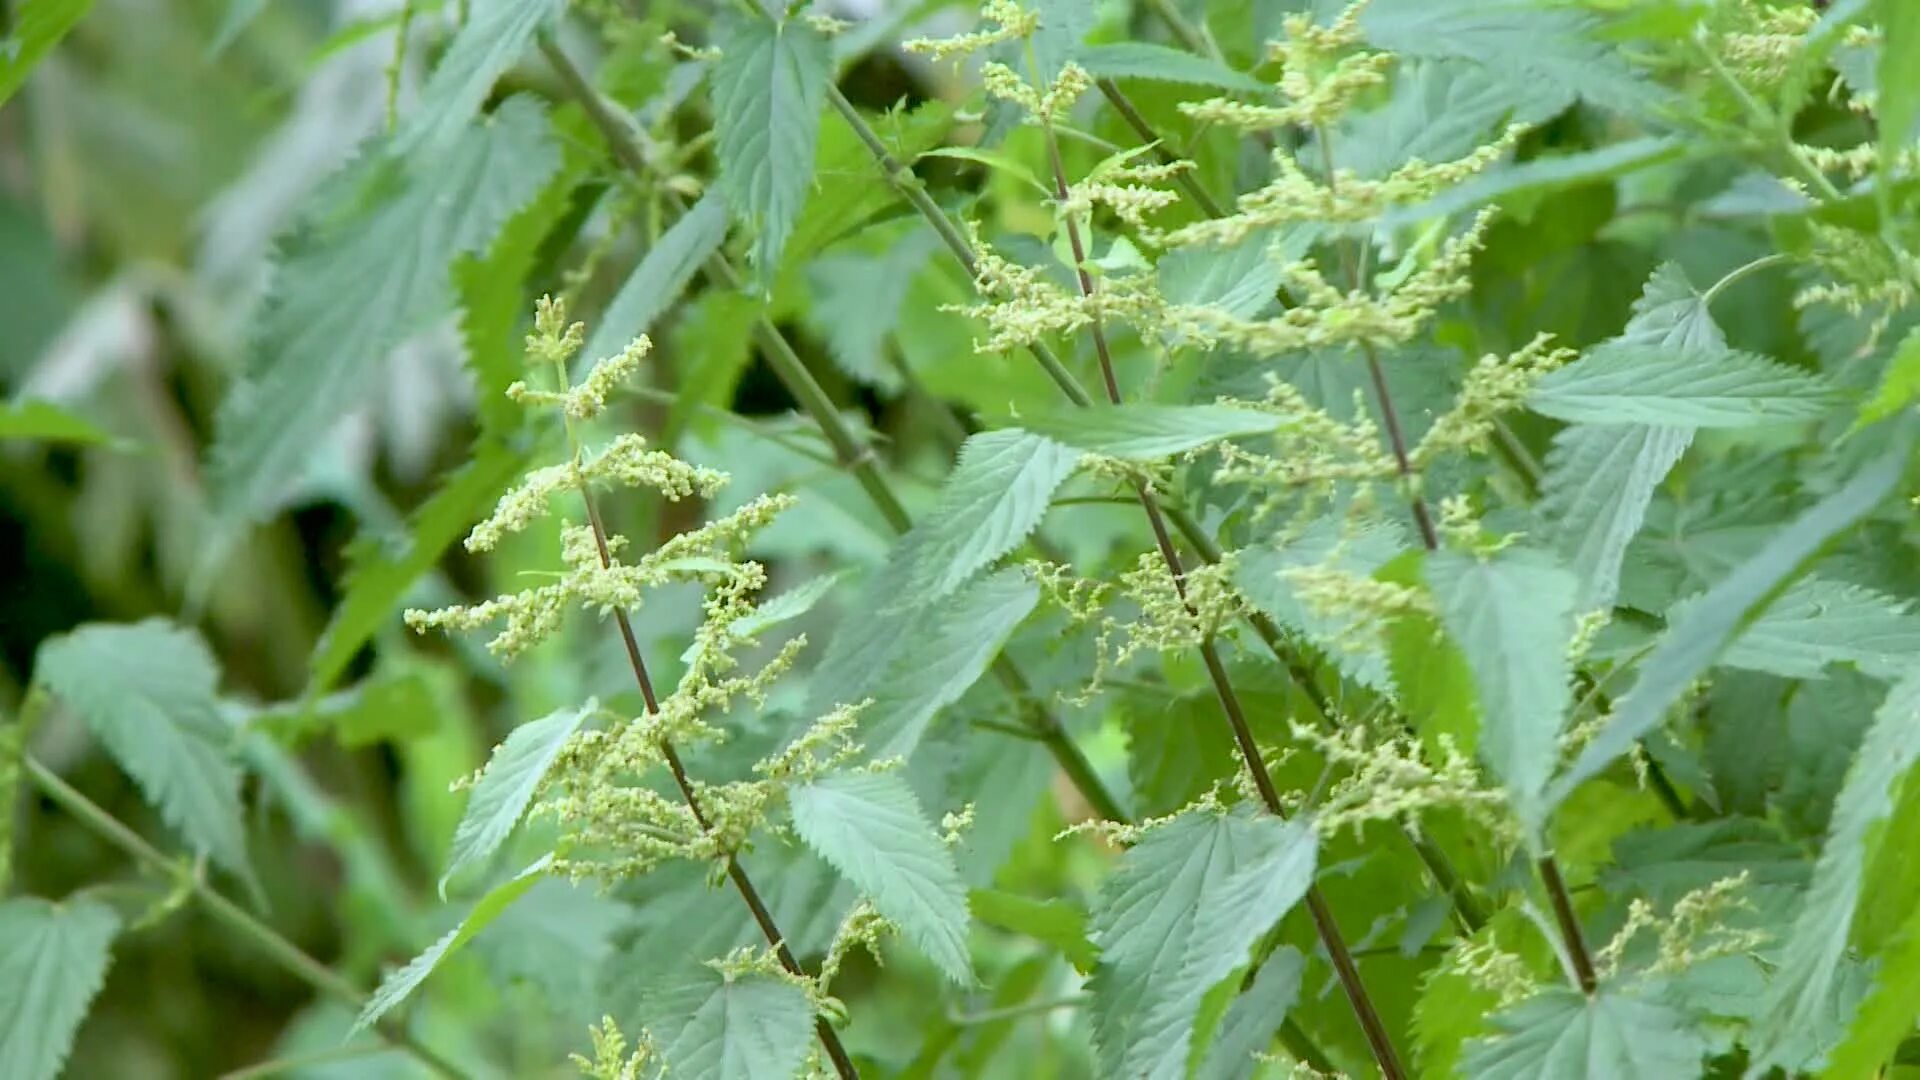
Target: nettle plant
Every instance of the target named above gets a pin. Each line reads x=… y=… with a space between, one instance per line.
x=1421 y=585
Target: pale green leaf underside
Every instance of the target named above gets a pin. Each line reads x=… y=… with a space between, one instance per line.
x=1512 y=617
x=1351 y=640
x=1561 y=1034
x=494 y=37
x=1818 y=944
x=507 y=786
x=751 y=1027
x=1146 y=432
x=1254 y=1017
x=871 y=828
x=403 y=981
x=53 y=958
x=1692 y=644
x=768 y=87
x=992 y=501
x=149 y=693
x=1818 y=622
x=1658 y=384
x=1170 y=924
x=342 y=302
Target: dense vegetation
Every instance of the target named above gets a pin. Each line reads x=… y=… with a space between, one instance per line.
x=1186 y=538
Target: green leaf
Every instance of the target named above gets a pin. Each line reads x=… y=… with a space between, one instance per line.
x=1145 y=432
x=1441 y=110
x=380 y=572
x=1144 y=60
x=1549 y=47
x=871 y=828
x=1180 y=913
x=344 y=298
x=403 y=981
x=1561 y=1034
x=1064 y=25
x=712 y=348
x=748 y=1027
x=1656 y=384
x=1600 y=477
x=47 y=422
x=992 y=501
x=507 y=785
x=1355 y=646
x=1818 y=622
x=1240 y=278
x=494 y=37
x=1886 y=1016
x=148 y=691
x=1692 y=644
x=768 y=87
x=1512 y=617
x=660 y=278
x=53 y=958
x=1054 y=922
x=856 y=304
x=1818 y=943
x=1254 y=1018
x=915 y=661
x=1545 y=174
x=992 y=159
x=1178 y=748
x=850 y=190
x=786 y=607
x=36 y=27
x=1897 y=90
x=1899 y=384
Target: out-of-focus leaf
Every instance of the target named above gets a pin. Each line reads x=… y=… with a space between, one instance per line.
x=1148 y=432
x=43 y=421
x=1051 y=921
x=1565 y=1035
x=1145 y=60
x=53 y=958
x=661 y=277
x=36 y=27
x=494 y=37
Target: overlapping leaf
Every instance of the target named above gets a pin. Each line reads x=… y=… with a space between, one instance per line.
x=507 y=785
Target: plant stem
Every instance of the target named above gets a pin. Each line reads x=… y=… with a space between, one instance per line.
x=1184 y=179
x=829 y=1039
x=1378 y=1040
x=853 y=454
x=230 y=915
x=1430 y=539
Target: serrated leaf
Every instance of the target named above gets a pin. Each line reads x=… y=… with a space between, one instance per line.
x=343 y=301
x=1354 y=644
x=53 y=958
x=991 y=502
x=1064 y=25
x=35 y=28
x=403 y=981
x=1554 y=48
x=1656 y=384
x=507 y=785
x=749 y=1027
x=1818 y=622
x=149 y=693
x=768 y=87
x=1561 y=1034
x=1180 y=913
x=1145 y=60
x=661 y=277
x=856 y=304
x=1240 y=279
x=43 y=421
x=1545 y=174
x=915 y=661
x=1512 y=616
x=1600 y=478
x=1254 y=1018
x=1818 y=943
x=871 y=828
x=1147 y=432
x=1054 y=922
x=380 y=573
x=493 y=38
x=786 y=607
x=1689 y=646
x=1440 y=110
x=1177 y=748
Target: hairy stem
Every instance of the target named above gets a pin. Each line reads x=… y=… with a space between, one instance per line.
x=853 y=453
x=224 y=911
x=1378 y=1039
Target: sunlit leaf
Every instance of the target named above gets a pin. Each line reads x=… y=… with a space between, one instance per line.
x=507 y=786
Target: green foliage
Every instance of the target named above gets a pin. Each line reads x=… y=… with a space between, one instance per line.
x=1145 y=60
x=54 y=959
x=747 y=1027
x=148 y=691
x=507 y=785
x=41 y=420
x=35 y=27
x=1564 y=1033
x=1150 y=432
x=994 y=499
x=1652 y=384
x=768 y=86
x=491 y=40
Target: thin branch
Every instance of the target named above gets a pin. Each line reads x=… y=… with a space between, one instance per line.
x=1378 y=1039
x=854 y=454
x=224 y=911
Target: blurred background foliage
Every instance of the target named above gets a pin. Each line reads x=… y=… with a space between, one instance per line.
x=149 y=169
